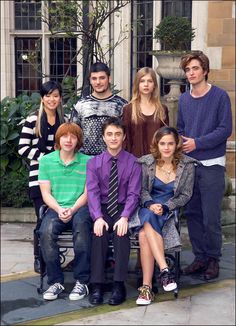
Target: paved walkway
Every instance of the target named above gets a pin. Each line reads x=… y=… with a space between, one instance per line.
x=199 y=303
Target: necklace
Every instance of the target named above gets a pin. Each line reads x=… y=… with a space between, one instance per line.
x=166 y=172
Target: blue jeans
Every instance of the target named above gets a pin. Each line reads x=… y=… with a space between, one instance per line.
x=51 y=227
x=203 y=212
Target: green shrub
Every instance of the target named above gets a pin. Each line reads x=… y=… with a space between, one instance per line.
x=13 y=168
x=13 y=112
x=174 y=33
x=14 y=189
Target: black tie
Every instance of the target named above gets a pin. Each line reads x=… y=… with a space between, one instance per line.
x=112 y=203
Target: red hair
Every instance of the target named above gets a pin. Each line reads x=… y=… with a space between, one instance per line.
x=69 y=128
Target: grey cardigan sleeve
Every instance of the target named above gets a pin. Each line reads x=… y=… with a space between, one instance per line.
x=146 y=185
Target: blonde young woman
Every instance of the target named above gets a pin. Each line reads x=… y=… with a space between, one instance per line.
x=37 y=139
x=167 y=184
x=144 y=114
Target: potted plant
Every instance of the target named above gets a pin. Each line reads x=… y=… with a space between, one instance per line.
x=174 y=35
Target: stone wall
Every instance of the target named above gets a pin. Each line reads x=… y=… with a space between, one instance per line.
x=221 y=33
x=10 y=214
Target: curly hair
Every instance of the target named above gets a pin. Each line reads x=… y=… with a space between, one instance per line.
x=163 y=131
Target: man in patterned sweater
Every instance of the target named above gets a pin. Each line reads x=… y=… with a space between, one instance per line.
x=91 y=111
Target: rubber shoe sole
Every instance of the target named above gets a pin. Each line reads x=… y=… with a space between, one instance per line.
x=170 y=287
x=76 y=296
x=142 y=302
x=50 y=297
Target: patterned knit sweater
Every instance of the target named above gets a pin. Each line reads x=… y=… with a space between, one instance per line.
x=90 y=113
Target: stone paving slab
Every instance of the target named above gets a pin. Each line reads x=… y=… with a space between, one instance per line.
x=208 y=307
x=21 y=304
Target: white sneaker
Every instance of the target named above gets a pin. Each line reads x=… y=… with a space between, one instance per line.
x=53 y=291
x=167 y=281
x=79 y=291
x=146 y=296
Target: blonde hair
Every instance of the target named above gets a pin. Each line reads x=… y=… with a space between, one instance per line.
x=60 y=113
x=135 y=100
x=47 y=88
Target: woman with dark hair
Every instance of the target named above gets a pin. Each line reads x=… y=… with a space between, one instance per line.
x=37 y=139
x=167 y=184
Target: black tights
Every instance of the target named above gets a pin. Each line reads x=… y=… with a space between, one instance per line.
x=38 y=202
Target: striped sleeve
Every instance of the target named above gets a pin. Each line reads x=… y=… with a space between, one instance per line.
x=28 y=141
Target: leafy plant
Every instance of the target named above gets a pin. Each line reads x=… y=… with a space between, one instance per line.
x=174 y=33
x=14 y=189
x=13 y=112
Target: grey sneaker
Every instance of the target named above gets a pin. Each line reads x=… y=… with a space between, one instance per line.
x=79 y=291
x=53 y=291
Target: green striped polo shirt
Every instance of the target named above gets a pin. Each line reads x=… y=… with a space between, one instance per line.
x=67 y=181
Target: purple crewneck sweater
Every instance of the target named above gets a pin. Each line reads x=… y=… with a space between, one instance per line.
x=207 y=119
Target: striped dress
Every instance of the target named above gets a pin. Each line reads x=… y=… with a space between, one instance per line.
x=28 y=149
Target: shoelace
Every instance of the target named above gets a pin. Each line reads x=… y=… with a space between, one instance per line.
x=166 y=278
x=56 y=286
x=78 y=286
x=145 y=291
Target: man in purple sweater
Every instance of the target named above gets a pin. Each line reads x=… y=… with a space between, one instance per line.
x=111 y=220
x=205 y=122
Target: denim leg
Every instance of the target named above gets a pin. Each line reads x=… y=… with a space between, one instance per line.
x=203 y=212
x=82 y=234
x=49 y=230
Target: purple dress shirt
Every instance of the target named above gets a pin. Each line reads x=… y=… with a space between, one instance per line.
x=129 y=182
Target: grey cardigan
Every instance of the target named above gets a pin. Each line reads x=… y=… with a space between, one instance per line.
x=183 y=189
x=183 y=186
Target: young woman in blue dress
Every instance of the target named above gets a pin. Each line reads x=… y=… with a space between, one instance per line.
x=167 y=184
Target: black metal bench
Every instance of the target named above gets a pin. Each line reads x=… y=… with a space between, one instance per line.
x=65 y=242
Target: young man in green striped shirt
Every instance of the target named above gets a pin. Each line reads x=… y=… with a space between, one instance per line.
x=62 y=176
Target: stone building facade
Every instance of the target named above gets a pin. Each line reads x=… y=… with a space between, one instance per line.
x=214 y=23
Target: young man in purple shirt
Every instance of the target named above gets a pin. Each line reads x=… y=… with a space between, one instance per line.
x=205 y=123
x=107 y=225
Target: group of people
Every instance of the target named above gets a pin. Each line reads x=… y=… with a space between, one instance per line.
x=112 y=159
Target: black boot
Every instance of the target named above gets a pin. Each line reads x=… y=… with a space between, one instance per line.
x=118 y=294
x=96 y=294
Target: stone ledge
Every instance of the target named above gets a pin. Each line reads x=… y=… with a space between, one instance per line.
x=11 y=214
x=27 y=214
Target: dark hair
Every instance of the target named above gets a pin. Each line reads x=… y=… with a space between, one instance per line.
x=99 y=66
x=50 y=86
x=198 y=55
x=64 y=129
x=113 y=121
x=163 y=131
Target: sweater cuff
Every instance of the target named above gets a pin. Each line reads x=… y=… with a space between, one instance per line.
x=148 y=203
x=165 y=209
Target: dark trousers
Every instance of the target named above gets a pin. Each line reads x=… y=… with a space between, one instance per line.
x=203 y=212
x=38 y=202
x=100 y=247
x=51 y=227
